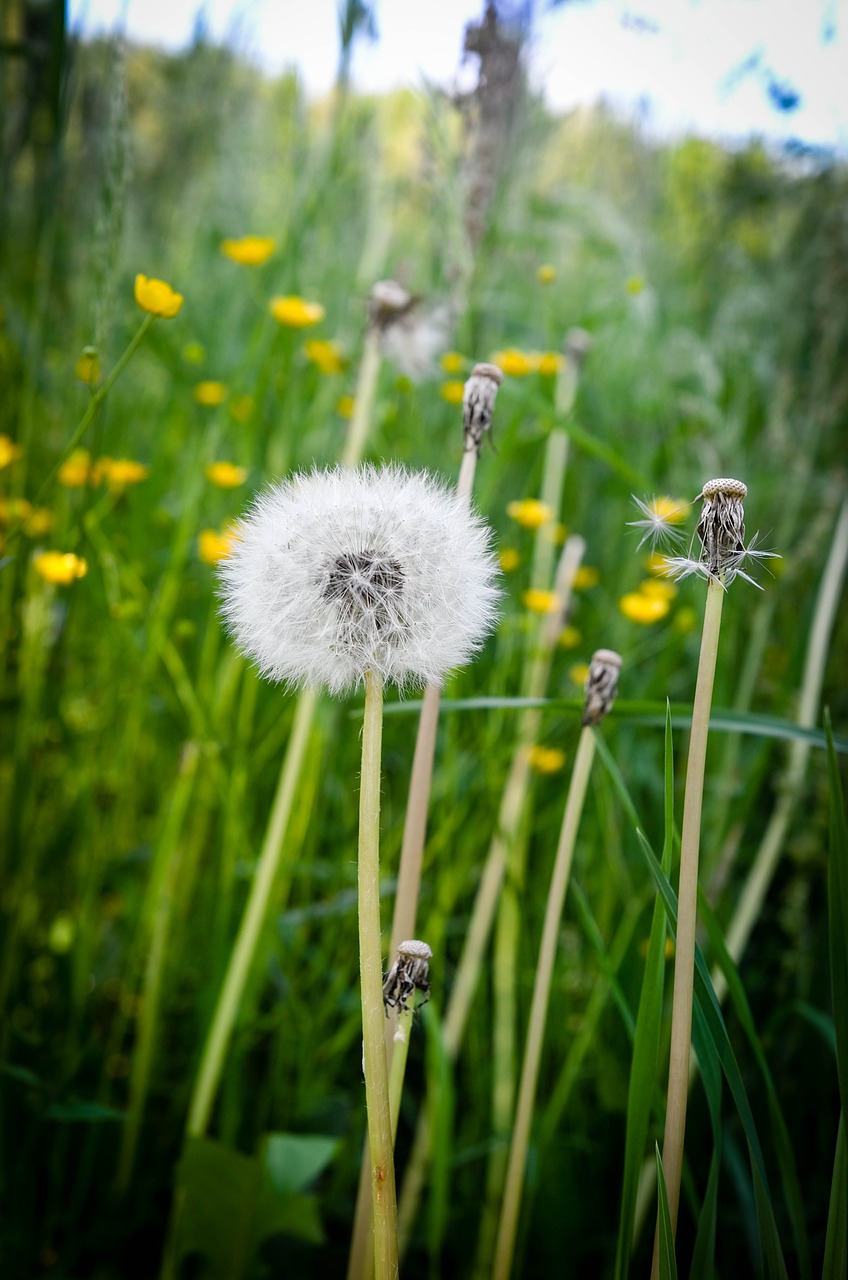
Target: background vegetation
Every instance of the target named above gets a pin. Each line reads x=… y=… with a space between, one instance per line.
x=140 y=756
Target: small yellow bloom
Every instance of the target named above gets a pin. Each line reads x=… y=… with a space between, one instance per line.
x=546 y=759
x=326 y=354
x=87 y=368
x=210 y=394
x=194 y=353
x=586 y=577
x=452 y=362
x=452 y=391
x=75 y=470
x=515 y=363
x=546 y=274
x=345 y=407
x=579 y=673
x=658 y=589
x=249 y=251
x=643 y=609
x=635 y=285
x=530 y=513
x=38 y=522
x=569 y=638
x=9 y=451
x=213 y=546
x=296 y=313
x=226 y=475
x=540 y=601
x=60 y=567
x=549 y=363
x=157 y=297
x=510 y=559
x=119 y=473
x=241 y=407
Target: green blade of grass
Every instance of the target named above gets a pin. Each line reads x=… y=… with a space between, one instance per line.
x=837 y=914
x=668 y=1266
x=835 y=1264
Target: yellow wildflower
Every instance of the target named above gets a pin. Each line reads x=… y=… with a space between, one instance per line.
x=296 y=313
x=210 y=394
x=513 y=362
x=510 y=559
x=9 y=451
x=157 y=297
x=249 y=251
x=213 y=546
x=569 y=638
x=578 y=674
x=452 y=391
x=585 y=577
x=194 y=352
x=119 y=473
x=546 y=759
x=656 y=563
x=530 y=513
x=60 y=567
x=345 y=407
x=241 y=407
x=643 y=609
x=326 y=354
x=549 y=363
x=540 y=601
x=635 y=285
x=452 y=362
x=76 y=469
x=38 y=522
x=658 y=589
x=226 y=475
x=87 y=368
x=546 y=274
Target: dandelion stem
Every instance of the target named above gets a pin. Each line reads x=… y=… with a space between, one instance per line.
x=684 y=958
x=226 y=1010
x=539 y=1007
x=384 y=1206
x=366 y=387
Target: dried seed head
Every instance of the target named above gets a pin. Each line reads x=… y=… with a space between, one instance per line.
x=387 y=302
x=721 y=528
x=601 y=685
x=409 y=973
x=578 y=344
x=478 y=404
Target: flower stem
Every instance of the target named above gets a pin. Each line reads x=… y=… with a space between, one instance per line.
x=384 y=1206
x=687 y=897
x=366 y=387
x=514 y=1183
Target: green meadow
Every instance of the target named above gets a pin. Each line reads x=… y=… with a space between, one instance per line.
x=664 y=313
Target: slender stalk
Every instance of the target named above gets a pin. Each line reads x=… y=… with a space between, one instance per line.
x=215 y=1048
x=514 y=1183
x=363 y=403
x=384 y=1211
x=684 y=957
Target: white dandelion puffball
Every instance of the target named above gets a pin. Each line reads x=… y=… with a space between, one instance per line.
x=336 y=573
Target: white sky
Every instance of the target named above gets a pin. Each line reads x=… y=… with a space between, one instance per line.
x=677 y=56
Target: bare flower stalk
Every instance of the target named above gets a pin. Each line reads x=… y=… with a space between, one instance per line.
x=600 y=692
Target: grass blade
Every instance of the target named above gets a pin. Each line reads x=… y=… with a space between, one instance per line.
x=836 y=1242
x=668 y=1266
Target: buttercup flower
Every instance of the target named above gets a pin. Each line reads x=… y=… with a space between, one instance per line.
x=326 y=355
x=510 y=559
x=540 y=601
x=515 y=363
x=641 y=608
x=225 y=475
x=212 y=547
x=569 y=638
x=9 y=451
x=296 y=313
x=118 y=473
x=210 y=394
x=60 y=567
x=75 y=470
x=342 y=572
x=452 y=391
x=157 y=297
x=546 y=274
x=586 y=577
x=249 y=251
x=549 y=362
x=345 y=406
x=452 y=362
x=546 y=759
x=530 y=513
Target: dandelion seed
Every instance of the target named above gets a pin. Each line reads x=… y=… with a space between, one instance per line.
x=60 y=568
x=601 y=685
x=296 y=313
x=157 y=297
x=659 y=518
x=249 y=251
x=342 y=572
x=410 y=332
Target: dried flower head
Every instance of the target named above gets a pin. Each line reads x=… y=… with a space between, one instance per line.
x=478 y=404
x=409 y=973
x=578 y=344
x=341 y=572
x=601 y=685
x=721 y=533
x=411 y=333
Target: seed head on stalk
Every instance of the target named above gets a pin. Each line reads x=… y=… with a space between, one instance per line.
x=478 y=404
x=721 y=533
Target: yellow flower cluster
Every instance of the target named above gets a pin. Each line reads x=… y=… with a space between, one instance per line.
x=225 y=475
x=530 y=513
x=60 y=568
x=296 y=313
x=518 y=364
x=157 y=297
x=78 y=470
x=326 y=355
x=546 y=759
x=540 y=601
x=650 y=603
x=249 y=251
x=35 y=521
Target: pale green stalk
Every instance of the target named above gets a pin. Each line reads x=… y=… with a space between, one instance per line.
x=514 y=1184
x=687 y=899
x=384 y=1205
x=363 y=401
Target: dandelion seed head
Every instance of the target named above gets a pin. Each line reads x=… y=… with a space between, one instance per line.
x=601 y=685
x=340 y=572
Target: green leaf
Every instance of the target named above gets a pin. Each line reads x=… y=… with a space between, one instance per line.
x=294 y=1160
x=836 y=1242
x=837 y=914
x=703 y=1254
x=82 y=1111
x=440 y=1109
x=665 y=1235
